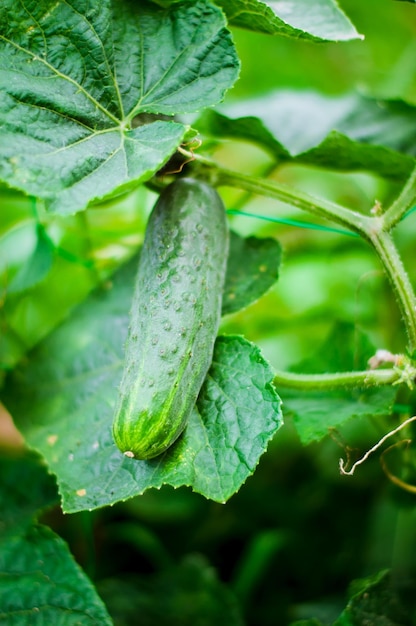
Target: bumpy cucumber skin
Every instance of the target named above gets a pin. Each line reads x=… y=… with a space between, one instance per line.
x=176 y=311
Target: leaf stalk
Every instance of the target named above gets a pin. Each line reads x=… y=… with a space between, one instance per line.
x=339 y=380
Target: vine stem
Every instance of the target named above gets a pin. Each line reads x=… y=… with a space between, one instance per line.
x=405 y=200
x=338 y=380
x=385 y=247
x=321 y=208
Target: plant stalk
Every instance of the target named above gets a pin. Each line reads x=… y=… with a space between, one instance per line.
x=393 y=266
x=405 y=201
x=338 y=380
x=322 y=208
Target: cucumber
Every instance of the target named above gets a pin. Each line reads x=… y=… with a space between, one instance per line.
x=174 y=319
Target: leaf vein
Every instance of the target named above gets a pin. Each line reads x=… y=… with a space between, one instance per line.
x=59 y=74
x=110 y=69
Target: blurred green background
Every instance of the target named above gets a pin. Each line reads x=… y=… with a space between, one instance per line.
x=298 y=533
x=383 y=64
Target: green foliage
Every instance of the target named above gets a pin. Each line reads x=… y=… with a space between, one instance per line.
x=20 y=506
x=323 y=20
x=379 y=600
x=40 y=583
x=85 y=254
x=345 y=133
x=70 y=390
x=183 y=595
x=36 y=267
x=102 y=105
x=314 y=412
x=253 y=268
x=71 y=130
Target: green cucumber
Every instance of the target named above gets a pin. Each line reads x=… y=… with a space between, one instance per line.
x=174 y=318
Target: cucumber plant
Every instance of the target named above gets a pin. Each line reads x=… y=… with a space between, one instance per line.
x=129 y=354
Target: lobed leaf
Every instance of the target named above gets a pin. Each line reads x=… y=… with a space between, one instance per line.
x=320 y=20
x=41 y=584
x=63 y=402
x=343 y=133
x=75 y=78
x=315 y=413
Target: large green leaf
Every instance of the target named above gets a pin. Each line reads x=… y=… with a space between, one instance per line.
x=343 y=133
x=315 y=413
x=41 y=584
x=63 y=402
x=58 y=261
x=318 y=20
x=75 y=77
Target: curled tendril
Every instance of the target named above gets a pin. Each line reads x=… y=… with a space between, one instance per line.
x=191 y=146
x=343 y=464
